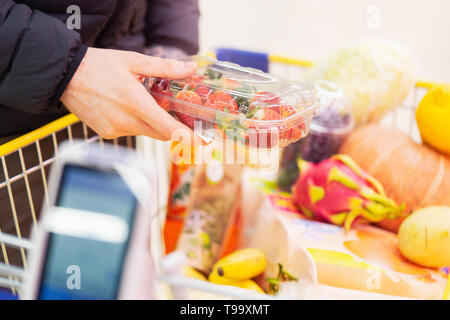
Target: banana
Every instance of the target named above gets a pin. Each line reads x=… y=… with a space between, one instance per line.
x=245 y=284
x=241 y=265
x=192 y=273
x=251 y=285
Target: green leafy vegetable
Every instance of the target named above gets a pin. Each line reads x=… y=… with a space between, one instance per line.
x=251 y=113
x=283 y=276
x=212 y=74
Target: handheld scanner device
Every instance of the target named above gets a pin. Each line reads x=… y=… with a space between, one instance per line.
x=93 y=240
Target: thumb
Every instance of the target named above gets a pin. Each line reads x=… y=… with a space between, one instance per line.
x=160 y=67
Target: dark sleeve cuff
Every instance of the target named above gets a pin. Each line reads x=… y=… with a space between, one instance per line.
x=76 y=58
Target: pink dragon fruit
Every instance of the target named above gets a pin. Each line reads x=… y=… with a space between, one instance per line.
x=338 y=191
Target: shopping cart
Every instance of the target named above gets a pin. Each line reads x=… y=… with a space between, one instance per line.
x=26 y=160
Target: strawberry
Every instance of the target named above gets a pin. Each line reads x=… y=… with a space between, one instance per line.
x=222 y=101
x=203 y=92
x=188 y=97
x=193 y=82
x=265 y=98
x=295 y=131
x=196 y=79
x=286 y=111
x=298 y=130
x=263 y=137
x=272 y=114
x=160 y=91
x=230 y=83
x=266 y=137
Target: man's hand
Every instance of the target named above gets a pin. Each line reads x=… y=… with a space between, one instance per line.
x=107 y=95
x=162 y=51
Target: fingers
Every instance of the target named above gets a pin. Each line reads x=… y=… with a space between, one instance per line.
x=159 y=67
x=123 y=123
x=146 y=108
x=184 y=132
x=159 y=120
x=148 y=131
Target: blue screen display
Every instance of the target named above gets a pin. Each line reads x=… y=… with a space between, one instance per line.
x=81 y=268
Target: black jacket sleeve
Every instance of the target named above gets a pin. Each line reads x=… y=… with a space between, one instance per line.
x=173 y=23
x=38 y=57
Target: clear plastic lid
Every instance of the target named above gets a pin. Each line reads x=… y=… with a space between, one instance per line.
x=226 y=96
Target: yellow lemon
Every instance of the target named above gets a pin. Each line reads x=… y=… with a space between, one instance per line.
x=433 y=118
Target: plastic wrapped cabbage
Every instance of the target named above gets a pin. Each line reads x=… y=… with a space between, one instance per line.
x=376 y=75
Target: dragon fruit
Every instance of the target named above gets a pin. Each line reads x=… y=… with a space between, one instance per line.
x=338 y=191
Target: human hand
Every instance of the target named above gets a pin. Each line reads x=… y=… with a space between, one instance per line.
x=107 y=95
x=163 y=51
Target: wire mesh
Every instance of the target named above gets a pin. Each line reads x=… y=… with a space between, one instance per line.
x=24 y=193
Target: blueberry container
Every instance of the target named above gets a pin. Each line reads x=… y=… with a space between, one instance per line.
x=328 y=132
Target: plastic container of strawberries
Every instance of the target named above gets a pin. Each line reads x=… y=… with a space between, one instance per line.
x=227 y=101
